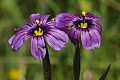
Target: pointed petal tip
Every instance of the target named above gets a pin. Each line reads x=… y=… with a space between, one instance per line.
x=91 y=48
x=88 y=48
x=41 y=58
x=14 y=50
x=57 y=48
x=48 y=15
x=35 y=58
x=103 y=19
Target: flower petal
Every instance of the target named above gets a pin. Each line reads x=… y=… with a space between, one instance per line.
x=74 y=35
x=90 y=38
x=44 y=18
x=11 y=40
x=96 y=26
x=28 y=26
x=18 y=35
x=38 y=49
x=86 y=39
x=17 y=40
x=63 y=20
x=95 y=37
x=78 y=17
x=31 y=23
x=50 y=24
x=35 y=16
x=92 y=16
x=59 y=35
x=56 y=38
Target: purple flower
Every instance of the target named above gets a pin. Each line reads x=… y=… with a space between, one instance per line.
x=40 y=31
x=84 y=28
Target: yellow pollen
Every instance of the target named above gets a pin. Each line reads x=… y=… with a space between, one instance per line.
x=83 y=13
x=37 y=21
x=38 y=32
x=82 y=25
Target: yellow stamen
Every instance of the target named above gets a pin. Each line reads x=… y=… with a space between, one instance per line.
x=37 y=21
x=82 y=25
x=83 y=13
x=38 y=32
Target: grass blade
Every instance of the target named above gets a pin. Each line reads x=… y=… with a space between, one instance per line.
x=105 y=73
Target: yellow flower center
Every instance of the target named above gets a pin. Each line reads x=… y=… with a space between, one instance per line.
x=82 y=25
x=38 y=32
x=83 y=13
x=37 y=21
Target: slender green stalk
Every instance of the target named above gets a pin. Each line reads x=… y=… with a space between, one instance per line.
x=47 y=66
x=76 y=63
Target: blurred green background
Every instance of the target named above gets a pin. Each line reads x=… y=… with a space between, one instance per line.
x=20 y=65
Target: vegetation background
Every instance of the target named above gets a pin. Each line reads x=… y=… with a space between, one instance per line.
x=20 y=65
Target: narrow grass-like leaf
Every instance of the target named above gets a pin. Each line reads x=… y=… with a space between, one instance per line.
x=105 y=73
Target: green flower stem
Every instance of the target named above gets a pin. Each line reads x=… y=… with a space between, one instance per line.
x=47 y=66
x=76 y=63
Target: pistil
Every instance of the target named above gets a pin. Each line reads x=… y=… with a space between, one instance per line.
x=83 y=24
